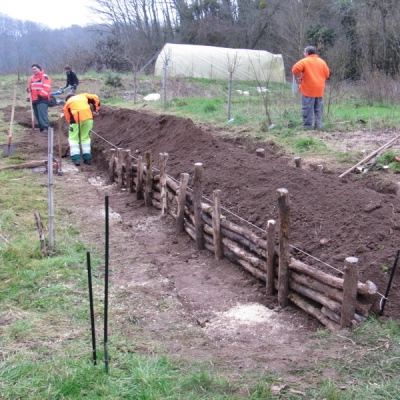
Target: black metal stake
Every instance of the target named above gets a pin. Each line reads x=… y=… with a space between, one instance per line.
x=106 y=288
x=389 y=283
x=91 y=308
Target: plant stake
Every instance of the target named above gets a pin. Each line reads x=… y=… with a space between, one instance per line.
x=91 y=308
x=389 y=283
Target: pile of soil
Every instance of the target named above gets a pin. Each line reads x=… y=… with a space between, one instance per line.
x=331 y=218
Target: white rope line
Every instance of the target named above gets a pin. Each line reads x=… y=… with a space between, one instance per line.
x=317 y=259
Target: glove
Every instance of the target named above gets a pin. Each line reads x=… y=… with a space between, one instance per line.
x=39 y=97
x=74 y=87
x=28 y=90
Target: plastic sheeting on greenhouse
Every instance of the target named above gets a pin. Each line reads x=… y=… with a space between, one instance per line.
x=216 y=62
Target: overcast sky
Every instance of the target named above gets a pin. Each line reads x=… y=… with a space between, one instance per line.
x=53 y=13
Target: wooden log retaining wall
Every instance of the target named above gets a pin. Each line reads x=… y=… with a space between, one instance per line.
x=336 y=302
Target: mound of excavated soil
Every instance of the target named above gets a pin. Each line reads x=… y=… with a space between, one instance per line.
x=352 y=219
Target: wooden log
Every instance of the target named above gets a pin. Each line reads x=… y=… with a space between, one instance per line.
x=328 y=291
x=39 y=226
x=156 y=204
x=260 y=152
x=111 y=165
x=367 y=288
x=330 y=314
x=30 y=164
x=334 y=317
x=198 y=194
x=181 y=198
x=237 y=238
x=298 y=162
x=148 y=183
x=128 y=171
x=139 y=177
x=316 y=296
x=284 y=229
x=119 y=167
x=248 y=234
x=349 y=291
x=189 y=228
x=174 y=186
x=245 y=265
x=270 y=255
x=315 y=312
x=243 y=254
x=216 y=225
x=163 y=181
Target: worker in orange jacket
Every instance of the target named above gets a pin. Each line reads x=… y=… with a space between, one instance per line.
x=79 y=110
x=39 y=88
x=311 y=72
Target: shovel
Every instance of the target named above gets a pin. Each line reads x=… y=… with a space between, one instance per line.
x=8 y=149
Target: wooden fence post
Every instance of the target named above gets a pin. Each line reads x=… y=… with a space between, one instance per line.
x=111 y=165
x=139 y=177
x=128 y=168
x=350 y=283
x=216 y=226
x=149 y=181
x=163 y=182
x=284 y=229
x=197 y=196
x=181 y=202
x=269 y=284
x=120 y=160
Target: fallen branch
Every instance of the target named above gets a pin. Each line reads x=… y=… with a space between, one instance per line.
x=373 y=154
x=30 y=164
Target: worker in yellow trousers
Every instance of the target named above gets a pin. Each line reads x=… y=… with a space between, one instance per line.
x=79 y=110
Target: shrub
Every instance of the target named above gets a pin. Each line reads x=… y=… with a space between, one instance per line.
x=113 y=79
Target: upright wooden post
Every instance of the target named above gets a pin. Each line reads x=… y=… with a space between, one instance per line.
x=128 y=168
x=349 y=291
x=163 y=182
x=111 y=165
x=149 y=180
x=120 y=159
x=139 y=177
x=269 y=284
x=216 y=226
x=284 y=229
x=197 y=196
x=181 y=202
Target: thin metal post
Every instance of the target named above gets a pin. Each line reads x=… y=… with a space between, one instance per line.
x=89 y=269
x=389 y=283
x=51 y=188
x=106 y=288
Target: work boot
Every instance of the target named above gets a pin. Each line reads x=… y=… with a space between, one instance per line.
x=88 y=162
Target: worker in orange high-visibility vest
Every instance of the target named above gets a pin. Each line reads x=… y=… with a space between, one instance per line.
x=79 y=110
x=311 y=72
x=39 y=88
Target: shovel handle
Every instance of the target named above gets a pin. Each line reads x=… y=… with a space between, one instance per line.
x=12 y=116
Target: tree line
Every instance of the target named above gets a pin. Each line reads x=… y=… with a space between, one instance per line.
x=355 y=37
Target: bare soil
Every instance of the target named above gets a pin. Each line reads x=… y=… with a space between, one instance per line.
x=183 y=300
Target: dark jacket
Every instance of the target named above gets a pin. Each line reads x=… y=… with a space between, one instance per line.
x=72 y=79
